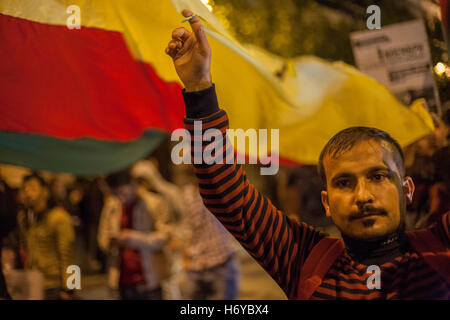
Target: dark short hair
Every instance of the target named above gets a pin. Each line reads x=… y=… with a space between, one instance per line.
x=36 y=176
x=50 y=200
x=346 y=139
x=119 y=178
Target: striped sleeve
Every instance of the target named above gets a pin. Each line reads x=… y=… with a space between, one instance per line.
x=279 y=244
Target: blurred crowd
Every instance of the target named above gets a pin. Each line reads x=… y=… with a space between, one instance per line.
x=152 y=236
x=427 y=161
x=153 y=239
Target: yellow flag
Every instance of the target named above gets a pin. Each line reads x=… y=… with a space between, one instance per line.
x=309 y=101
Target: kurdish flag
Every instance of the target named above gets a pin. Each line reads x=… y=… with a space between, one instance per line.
x=94 y=99
x=82 y=100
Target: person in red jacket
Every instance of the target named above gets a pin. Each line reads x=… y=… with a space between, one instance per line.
x=365 y=193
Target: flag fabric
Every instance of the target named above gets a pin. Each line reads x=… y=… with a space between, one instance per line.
x=95 y=99
x=79 y=100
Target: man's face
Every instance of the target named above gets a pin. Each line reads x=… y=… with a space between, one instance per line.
x=34 y=193
x=366 y=195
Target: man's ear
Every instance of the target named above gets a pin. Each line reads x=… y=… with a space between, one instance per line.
x=408 y=188
x=324 y=197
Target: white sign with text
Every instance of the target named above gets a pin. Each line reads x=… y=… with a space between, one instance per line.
x=398 y=56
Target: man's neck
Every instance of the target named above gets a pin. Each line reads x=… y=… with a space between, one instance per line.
x=378 y=251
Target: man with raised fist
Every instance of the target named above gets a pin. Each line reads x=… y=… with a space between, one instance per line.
x=365 y=192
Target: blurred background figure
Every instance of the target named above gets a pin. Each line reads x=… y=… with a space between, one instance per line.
x=427 y=162
x=59 y=188
x=210 y=260
x=86 y=198
x=150 y=179
x=8 y=211
x=147 y=174
x=46 y=236
x=300 y=196
x=133 y=232
x=439 y=192
x=209 y=264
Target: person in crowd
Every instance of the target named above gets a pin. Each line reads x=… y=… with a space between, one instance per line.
x=303 y=195
x=440 y=191
x=47 y=237
x=210 y=261
x=59 y=188
x=210 y=267
x=426 y=162
x=89 y=207
x=133 y=231
x=365 y=192
x=419 y=166
x=8 y=209
x=152 y=180
x=149 y=178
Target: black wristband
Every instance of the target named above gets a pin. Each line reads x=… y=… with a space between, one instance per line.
x=200 y=104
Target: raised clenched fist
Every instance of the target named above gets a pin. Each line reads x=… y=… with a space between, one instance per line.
x=191 y=55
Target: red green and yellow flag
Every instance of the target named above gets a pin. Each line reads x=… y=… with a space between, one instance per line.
x=94 y=99
x=79 y=100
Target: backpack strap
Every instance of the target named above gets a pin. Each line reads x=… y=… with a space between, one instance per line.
x=432 y=250
x=319 y=261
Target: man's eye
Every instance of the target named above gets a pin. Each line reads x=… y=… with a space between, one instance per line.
x=343 y=183
x=378 y=177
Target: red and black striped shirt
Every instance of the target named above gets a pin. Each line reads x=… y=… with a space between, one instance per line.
x=281 y=245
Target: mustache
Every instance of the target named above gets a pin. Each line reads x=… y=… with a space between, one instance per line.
x=367 y=211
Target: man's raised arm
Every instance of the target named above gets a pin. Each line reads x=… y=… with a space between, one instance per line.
x=279 y=244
